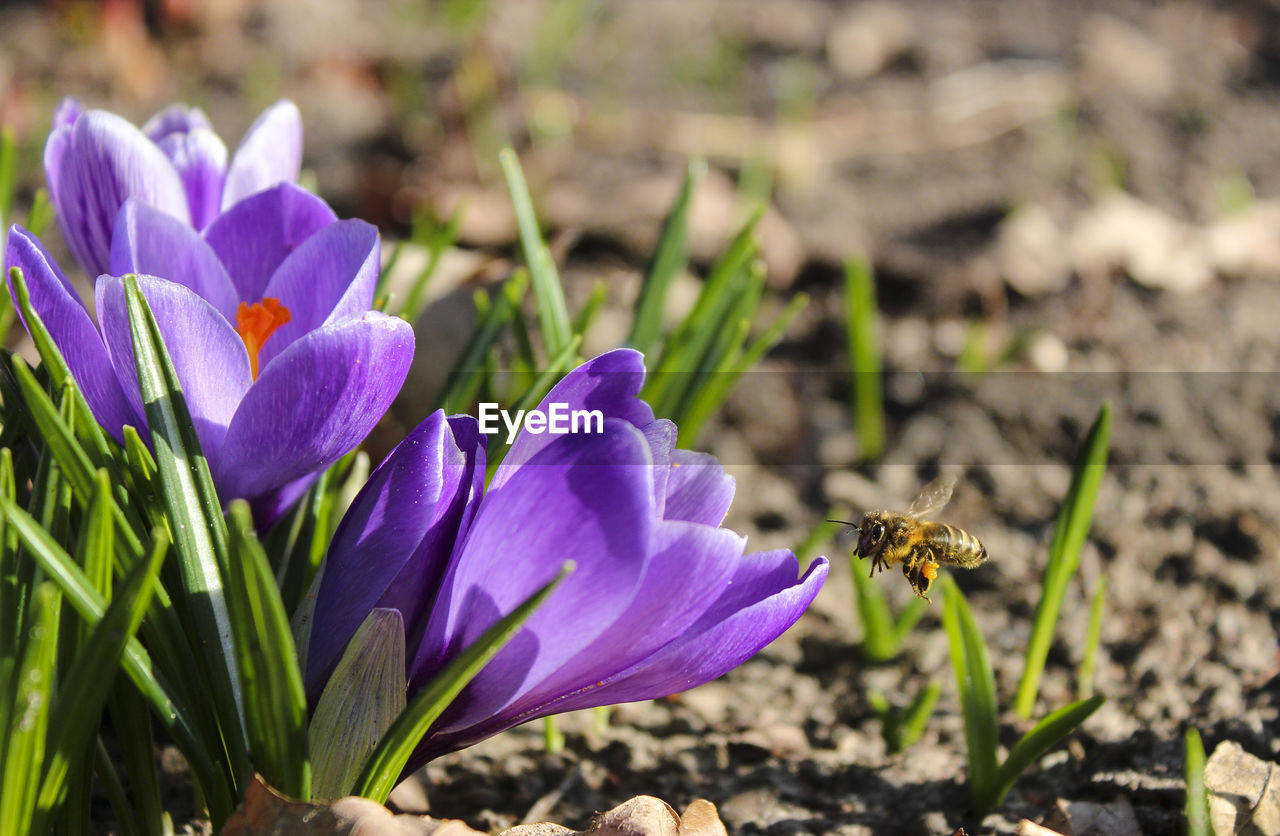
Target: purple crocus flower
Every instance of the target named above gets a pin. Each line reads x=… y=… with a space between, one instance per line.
x=267 y=318
x=95 y=161
x=663 y=598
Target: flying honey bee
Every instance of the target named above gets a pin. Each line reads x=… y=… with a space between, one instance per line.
x=889 y=537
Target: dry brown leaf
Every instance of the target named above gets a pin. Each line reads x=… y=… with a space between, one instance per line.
x=264 y=812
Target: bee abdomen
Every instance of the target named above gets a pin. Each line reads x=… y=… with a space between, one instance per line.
x=956 y=546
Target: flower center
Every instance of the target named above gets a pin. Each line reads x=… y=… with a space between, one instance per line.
x=256 y=323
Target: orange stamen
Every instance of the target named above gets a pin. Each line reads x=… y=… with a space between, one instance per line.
x=256 y=323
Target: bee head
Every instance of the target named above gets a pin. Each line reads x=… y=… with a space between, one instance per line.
x=871 y=535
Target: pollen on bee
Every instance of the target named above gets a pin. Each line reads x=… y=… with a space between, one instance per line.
x=931 y=571
x=256 y=323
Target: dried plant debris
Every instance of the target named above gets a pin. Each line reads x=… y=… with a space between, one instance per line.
x=264 y=811
x=1244 y=792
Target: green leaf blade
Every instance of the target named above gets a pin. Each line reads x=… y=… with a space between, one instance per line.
x=1040 y=739
x=1069 y=537
x=275 y=702
x=553 y=311
x=195 y=515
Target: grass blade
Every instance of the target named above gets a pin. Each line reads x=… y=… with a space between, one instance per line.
x=1064 y=554
x=195 y=518
x=864 y=356
x=1084 y=681
x=976 y=687
x=78 y=709
x=467 y=374
x=114 y=790
x=721 y=383
x=879 y=640
x=1043 y=736
x=275 y=704
x=52 y=359
x=670 y=256
x=89 y=603
x=25 y=744
x=916 y=717
x=548 y=294
x=1197 y=803
x=387 y=761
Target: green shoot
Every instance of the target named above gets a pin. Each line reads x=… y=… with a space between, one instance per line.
x=864 y=357
x=553 y=313
x=1064 y=554
x=1084 y=686
x=901 y=728
x=552 y=737
x=1197 y=804
x=669 y=258
x=989 y=779
x=882 y=633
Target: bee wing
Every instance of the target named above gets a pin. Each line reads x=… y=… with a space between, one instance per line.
x=933 y=496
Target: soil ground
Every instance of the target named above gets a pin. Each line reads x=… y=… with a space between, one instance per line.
x=1072 y=201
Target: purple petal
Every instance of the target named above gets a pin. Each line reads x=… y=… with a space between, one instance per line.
x=329 y=276
x=256 y=235
x=585 y=498
x=92 y=171
x=67 y=113
x=759 y=603
x=609 y=383
x=148 y=241
x=73 y=331
x=392 y=546
x=314 y=403
x=269 y=153
x=201 y=161
x=698 y=489
x=661 y=435
x=270 y=506
x=208 y=355
x=175 y=119
x=688 y=561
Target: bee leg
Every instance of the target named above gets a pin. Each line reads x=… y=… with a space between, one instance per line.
x=920 y=570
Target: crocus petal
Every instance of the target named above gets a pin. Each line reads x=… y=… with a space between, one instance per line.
x=394 y=542
x=270 y=152
x=208 y=355
x=68 y=111
x=609 y=383
x=147 y=240
x=314 y=403
x=64 y=117
x=761 y=601
x=552 y=510
x=661 y=435
x=688 y=560
x=329 y=276
x=73 y=331
x=201 y=161
x=698 y=489
x=257 y=234
x=270 y=506
x=175 y=119
x=103 y=162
